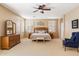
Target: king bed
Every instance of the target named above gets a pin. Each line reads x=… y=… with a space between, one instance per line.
x=40 y=33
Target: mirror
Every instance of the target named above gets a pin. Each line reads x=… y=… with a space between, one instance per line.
x=10 y=27
x=14 y=28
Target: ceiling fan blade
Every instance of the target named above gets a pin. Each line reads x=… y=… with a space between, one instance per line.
x=35 y=7
x=35 y=11
x=46 y=9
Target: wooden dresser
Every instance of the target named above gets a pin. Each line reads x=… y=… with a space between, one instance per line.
x=9 y=41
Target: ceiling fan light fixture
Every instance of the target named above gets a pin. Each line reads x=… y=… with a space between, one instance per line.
x=42 y=12
x=42 y=8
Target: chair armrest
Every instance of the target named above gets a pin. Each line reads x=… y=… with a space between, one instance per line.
x=67 y=39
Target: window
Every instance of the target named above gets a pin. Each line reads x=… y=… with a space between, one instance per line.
x=52 y=25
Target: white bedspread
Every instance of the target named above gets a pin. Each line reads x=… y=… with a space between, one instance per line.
x=40 y=36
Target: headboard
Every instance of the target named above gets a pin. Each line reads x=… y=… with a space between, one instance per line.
x=41 y=28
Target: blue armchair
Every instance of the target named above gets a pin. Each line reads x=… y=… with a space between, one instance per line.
x=73 y=42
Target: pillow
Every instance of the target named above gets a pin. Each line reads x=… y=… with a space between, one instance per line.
x=36 y=31
x=40 y=31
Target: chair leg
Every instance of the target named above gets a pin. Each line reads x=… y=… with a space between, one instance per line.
x=65 y=48
x=77 y=50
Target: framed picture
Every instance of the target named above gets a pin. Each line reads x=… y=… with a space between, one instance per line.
x=75 y=24
x=40 y=23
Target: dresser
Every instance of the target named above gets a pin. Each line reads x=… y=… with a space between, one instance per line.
x=9 y=41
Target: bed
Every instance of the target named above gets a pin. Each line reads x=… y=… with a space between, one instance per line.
x=40 y=33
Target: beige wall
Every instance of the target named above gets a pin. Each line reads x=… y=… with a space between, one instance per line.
x=6 y=14
x=72 y=15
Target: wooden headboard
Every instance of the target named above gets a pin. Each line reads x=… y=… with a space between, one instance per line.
x=41 y=28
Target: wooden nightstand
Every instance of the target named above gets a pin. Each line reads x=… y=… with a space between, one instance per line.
x=29 y=35
x=51 y=34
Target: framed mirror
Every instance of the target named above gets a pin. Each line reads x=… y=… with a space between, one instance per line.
x=14 y=28
x=9 y=24
x=10 y=27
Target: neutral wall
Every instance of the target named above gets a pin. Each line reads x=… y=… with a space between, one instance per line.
x=72 y=15
x=6 y=14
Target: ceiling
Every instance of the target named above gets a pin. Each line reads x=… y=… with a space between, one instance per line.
x=26 y=9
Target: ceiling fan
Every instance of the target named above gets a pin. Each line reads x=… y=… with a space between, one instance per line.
x=42 y=8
